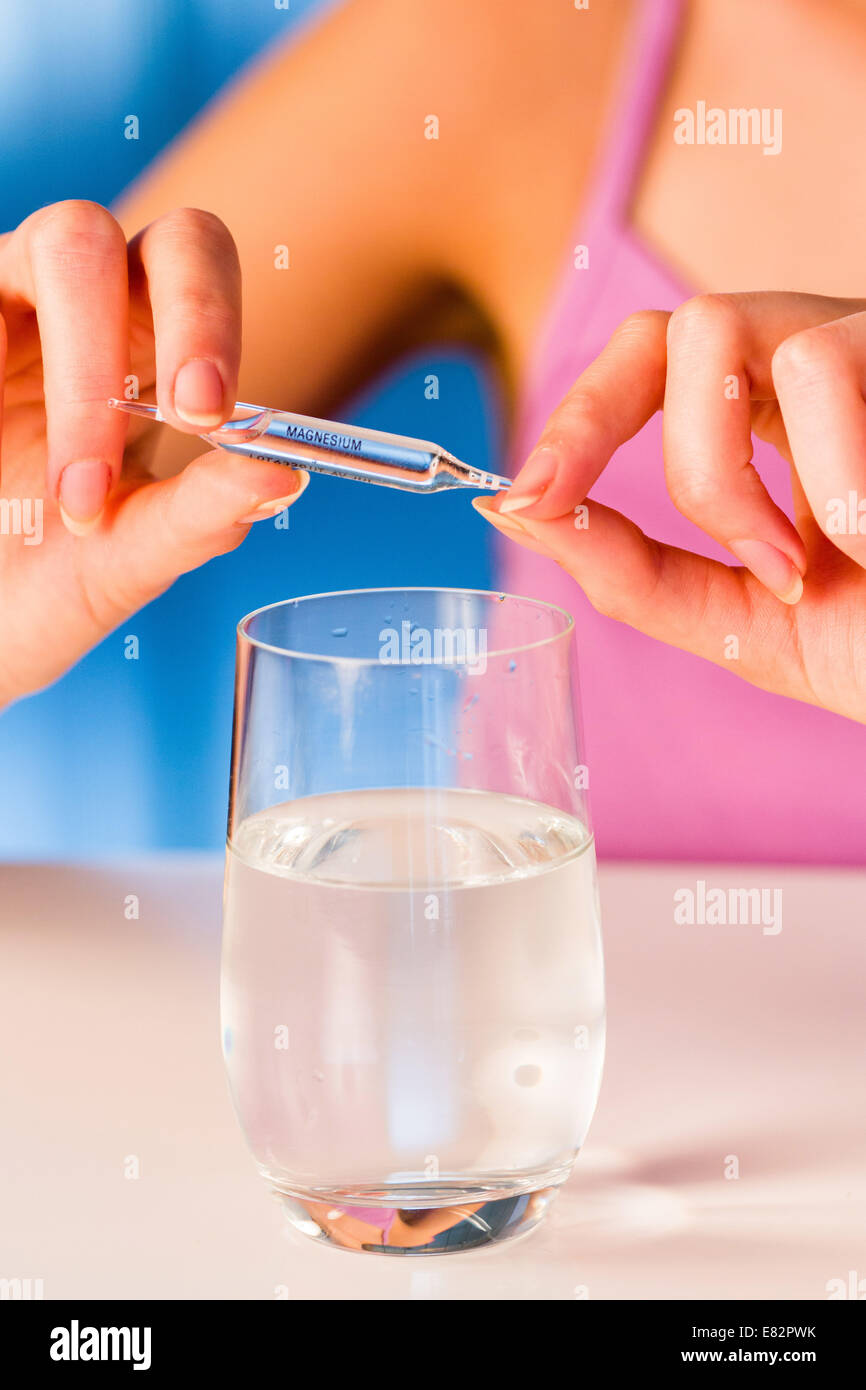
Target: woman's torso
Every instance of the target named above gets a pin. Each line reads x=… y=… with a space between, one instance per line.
x=685 y=759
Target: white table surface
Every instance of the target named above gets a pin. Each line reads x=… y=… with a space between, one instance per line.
x=722 y=1041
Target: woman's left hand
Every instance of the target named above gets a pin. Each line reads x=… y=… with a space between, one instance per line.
x=792 y=369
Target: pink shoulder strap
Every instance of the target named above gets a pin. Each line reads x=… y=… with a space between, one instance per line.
x=643 y=74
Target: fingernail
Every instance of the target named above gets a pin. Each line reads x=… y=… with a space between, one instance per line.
x=772 y=567
x=279 y=504
x=198 y=392
x=532 y=481
x=81 y=494
x=482 y=505
x=519 y=501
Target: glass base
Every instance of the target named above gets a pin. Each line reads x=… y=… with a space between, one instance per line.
x=415 y=1230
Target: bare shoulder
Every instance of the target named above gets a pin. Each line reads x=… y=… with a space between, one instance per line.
x=416 y=115
x=420 y=159
x=522 y=94
x=457 y=98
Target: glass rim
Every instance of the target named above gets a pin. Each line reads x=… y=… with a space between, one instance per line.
x=499 y=595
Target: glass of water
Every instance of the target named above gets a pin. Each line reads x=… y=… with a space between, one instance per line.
x=412 y=979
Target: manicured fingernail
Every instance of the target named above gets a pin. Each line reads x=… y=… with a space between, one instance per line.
x=519 y=501
x=502 y=523
x=279 y=504
x=81 y=494
x=531 y=482
x=772 y=567
x=198 y=392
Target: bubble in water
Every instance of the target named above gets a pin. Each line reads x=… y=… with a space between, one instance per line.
x=527 y=1076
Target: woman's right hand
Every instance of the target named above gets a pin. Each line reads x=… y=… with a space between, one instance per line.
x=84 y=312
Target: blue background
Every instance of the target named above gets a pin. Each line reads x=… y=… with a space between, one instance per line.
x=127 y=754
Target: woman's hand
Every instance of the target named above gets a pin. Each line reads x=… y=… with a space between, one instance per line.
x=791 y=368
x=86 y=536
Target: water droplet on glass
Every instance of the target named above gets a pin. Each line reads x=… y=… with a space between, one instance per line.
x=339 y=631
x=527 y=1076
x=512 y=665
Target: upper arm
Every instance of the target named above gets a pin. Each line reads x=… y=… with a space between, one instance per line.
x=319 y=148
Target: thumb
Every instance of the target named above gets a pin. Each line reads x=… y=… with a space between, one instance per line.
x=166 y=528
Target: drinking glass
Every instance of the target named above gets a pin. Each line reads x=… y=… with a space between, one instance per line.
x=412 y=978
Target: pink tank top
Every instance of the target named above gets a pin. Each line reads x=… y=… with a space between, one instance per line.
x=686 y=761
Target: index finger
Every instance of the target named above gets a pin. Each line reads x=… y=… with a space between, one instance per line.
x=187 y=264
x=612 y=399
